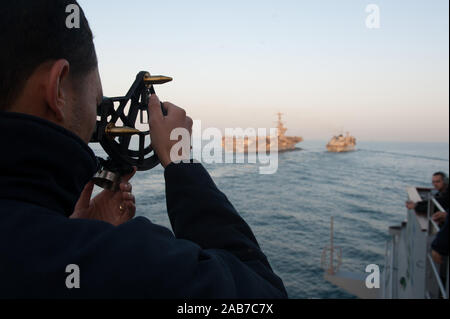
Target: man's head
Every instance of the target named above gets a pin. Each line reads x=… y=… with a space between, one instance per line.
x=440 y=181
x=47 y=69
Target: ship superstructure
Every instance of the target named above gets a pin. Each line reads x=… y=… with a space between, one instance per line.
x=281 y=142
x=341 y=143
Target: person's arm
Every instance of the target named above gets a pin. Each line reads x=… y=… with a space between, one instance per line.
x=199 y=212
x=440 y=243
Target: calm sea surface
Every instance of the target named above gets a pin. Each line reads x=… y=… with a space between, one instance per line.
x=290 y=211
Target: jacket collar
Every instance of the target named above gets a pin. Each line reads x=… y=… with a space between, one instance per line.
x=42 y=163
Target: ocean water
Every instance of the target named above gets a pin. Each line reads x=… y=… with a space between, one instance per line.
x=289 y=212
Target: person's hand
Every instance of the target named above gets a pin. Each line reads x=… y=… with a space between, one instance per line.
x=162 y=126
x=437 y=258
x=439 y=217
x=410 y=205
x=112 y=207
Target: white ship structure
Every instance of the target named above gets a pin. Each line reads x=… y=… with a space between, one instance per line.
x=341 y=143
x=245 y=145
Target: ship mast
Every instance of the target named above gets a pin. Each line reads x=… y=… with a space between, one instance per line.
x=280 y=126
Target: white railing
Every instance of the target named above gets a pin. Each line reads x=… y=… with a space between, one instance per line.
x=435 y=287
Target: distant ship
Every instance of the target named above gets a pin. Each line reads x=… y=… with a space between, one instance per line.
x=262 y=144
x=340 y=144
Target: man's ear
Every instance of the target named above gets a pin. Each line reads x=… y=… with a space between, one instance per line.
x=57 y=87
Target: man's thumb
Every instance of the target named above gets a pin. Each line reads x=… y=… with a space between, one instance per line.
x=154 y=108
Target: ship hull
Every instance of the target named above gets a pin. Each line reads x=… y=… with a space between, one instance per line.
x=260 y=145
x=340 y=149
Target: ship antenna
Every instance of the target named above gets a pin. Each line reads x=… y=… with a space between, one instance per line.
x=279 y=118
x=332 y=269
x=280 y=126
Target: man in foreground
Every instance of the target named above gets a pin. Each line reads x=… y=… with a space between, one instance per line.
x=50 y=230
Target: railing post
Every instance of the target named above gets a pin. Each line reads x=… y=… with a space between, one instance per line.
x=331 y=248
x=435 y=288
x=394 y=268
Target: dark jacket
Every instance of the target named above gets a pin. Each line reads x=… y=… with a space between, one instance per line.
x=44 y=168
x=440 y=243
x=441 y=197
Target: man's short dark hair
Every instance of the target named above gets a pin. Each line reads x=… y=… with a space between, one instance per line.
x=33 y=32
x=443 y=175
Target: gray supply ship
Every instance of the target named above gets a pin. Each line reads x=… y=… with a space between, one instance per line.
x=341 y=143
x=263 y=144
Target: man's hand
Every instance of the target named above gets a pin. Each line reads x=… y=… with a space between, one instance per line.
x=112 y=207
x=439 y=217
x=410 y=205
x=162 y=126
x=437 y=258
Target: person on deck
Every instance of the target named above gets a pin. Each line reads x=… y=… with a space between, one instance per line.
x=440 y=183
x=50 y=228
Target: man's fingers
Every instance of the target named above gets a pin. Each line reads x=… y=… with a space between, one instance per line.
x=126 y=187
x=128 y=196
x=154 y=108
x=131 y=209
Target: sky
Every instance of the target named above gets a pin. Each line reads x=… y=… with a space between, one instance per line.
x=238 y=63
